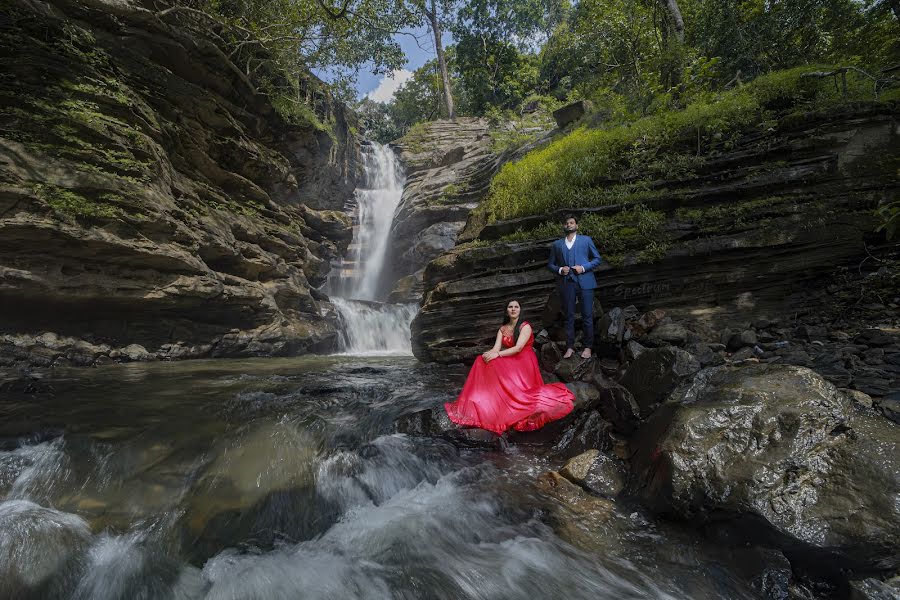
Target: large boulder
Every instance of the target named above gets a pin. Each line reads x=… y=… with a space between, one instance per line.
x=242 y=493
x=655 y=373
x=41 y=550
x=571 y=112
x=618 y=406
x=781 y=446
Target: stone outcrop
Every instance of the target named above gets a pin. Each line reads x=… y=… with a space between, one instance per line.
x=153 y=202
x=449 y=166
x=783 y=448
x=745 y=235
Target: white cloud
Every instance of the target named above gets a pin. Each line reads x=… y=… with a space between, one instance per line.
x=388 y=85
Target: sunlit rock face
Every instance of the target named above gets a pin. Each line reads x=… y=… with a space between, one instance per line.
x=151 y=198
x=449 y=166
x=748 y=234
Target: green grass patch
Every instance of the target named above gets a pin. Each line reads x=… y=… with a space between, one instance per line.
x=635 y=230
x=598 y=167
x=296 y=112
x=416 y=138
x=70 y=202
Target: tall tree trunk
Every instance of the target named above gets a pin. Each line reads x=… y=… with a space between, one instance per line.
x=673 y=43
x=442 y=61
x=675 y=19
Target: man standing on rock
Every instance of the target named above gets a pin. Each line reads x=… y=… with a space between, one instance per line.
x=572 y=259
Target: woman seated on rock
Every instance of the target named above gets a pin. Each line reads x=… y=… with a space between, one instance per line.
x=504 y=389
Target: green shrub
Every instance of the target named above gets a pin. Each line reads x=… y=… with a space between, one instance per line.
x=69 y=202
x=581 y=168
x=636 y=229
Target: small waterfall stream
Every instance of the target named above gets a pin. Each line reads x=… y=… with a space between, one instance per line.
x=372 y=327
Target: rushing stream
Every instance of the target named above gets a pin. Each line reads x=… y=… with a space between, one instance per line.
x=282 y=478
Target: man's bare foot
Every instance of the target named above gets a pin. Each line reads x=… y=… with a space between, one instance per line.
x=569 y=353
x=586 y=353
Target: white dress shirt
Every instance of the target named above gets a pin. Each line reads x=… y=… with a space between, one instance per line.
x=569 y=245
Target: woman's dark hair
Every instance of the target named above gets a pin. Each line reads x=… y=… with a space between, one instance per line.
x=567 y=217
x=518 y=326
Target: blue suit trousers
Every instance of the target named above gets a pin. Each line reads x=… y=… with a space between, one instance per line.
x=571 y=291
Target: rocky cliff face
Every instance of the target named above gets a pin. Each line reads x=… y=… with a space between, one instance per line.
x=740 y=238
x=449 y=166
x=153 y=203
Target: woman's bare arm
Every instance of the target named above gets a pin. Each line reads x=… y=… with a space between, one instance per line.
x=495 y=351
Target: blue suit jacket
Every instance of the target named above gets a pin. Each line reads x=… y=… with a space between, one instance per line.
x=583 y=253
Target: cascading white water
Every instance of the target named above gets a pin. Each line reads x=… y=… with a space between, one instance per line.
x=375 y=328
x=370 y=326
x=376 y=204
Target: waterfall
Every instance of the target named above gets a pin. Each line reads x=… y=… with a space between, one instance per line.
x=371 y=326
x=375 y=328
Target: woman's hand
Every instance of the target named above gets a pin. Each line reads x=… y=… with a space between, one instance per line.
x=490 y=355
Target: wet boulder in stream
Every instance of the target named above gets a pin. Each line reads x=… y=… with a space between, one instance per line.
x=655 y=373
x=259 y=486
x=41 y=550
x=782 y=447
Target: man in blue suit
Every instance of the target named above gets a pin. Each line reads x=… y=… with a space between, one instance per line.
x=573 y=259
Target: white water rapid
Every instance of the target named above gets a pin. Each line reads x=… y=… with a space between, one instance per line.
x=372 y=327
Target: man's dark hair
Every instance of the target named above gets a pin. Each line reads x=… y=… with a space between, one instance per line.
x=567 y=217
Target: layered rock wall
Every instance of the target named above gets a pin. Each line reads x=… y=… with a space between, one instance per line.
x=449 y=166
x=153 y=203
x=744 y=236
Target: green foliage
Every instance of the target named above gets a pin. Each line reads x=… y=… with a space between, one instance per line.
x=756 y=36
x=416 y=138
x=623 y=48
x=449 y=193
x=418 y=100
x=510 y=130
x=493 y=74
x=889 y=214
x=296 y=112
x=608 y=44
x=69 y=202
x=636 y=229
x=298 y=35
x=723 y=218
x=496 y=63
x=378 y=121
x=598 y=167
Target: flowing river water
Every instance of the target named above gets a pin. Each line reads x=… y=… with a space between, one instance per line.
x=283 y=478
x=286 y=478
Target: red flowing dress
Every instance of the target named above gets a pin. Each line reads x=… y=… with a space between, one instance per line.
x=508 y=392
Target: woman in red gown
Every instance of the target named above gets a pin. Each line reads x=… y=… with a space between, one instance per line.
x=504 y=389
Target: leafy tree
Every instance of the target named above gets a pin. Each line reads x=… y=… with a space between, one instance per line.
x=605 y=45
x=421 y=97
x=378 y=121
x=339 y=36
x=496 y=41
x=756 y=36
